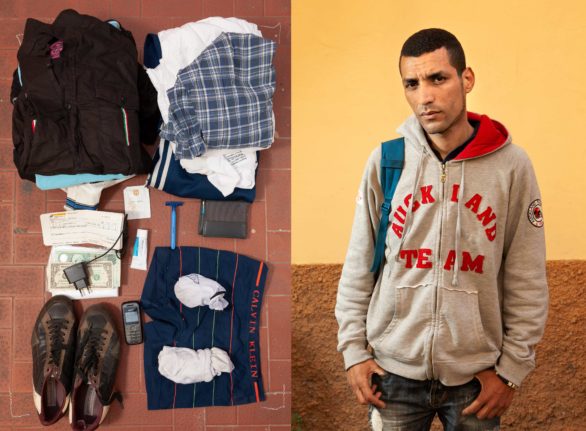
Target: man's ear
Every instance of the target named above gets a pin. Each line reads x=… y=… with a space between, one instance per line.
x=468 y=79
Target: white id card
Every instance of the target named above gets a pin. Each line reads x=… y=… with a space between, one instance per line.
x=137 y=203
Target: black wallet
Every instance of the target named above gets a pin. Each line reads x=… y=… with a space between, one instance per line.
x=224 y=219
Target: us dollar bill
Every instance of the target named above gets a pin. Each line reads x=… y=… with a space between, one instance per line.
x=104 y=273
x=100 y=276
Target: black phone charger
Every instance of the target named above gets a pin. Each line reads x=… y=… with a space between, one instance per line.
x=77 y=274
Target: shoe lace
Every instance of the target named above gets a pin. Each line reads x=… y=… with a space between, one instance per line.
x=95 y=341
x=57 y=329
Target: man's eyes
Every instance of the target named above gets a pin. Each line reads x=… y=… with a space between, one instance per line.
x=411 y=84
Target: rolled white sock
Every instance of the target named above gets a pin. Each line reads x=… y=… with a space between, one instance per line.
x=187 y=366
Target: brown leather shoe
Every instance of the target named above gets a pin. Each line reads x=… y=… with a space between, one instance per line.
x=96 y=363
x=53 y=348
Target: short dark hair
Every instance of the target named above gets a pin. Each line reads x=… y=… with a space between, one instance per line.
x=430 y=39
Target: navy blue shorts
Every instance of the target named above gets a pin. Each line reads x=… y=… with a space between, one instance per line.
x=234 y=329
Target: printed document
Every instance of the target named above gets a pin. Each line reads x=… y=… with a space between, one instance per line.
x=83 y=227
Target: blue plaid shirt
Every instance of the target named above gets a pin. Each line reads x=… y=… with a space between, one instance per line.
x=223 y=99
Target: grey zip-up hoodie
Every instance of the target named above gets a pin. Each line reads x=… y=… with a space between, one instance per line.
x=463 y=286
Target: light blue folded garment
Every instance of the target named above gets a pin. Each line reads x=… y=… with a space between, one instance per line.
x=49 y=182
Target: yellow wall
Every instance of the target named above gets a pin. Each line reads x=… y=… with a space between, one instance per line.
x=530 y=63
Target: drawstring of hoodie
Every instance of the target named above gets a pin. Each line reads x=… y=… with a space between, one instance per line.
x=409 y=220
x=409 y=217
x=455 y=280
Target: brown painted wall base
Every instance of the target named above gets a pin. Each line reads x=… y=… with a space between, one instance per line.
x=553 y=397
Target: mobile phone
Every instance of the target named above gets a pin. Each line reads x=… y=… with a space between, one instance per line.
x=132 y=322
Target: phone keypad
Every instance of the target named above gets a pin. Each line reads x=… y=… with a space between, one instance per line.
x=133 y=334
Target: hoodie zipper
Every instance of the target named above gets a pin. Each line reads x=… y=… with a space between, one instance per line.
x=443 y=175
x=434 y=316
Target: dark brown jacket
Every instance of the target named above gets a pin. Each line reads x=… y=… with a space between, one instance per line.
x=81 y=112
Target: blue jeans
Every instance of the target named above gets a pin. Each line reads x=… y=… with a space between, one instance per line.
x=411 y=405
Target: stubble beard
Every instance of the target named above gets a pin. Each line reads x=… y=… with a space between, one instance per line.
x=442 y=129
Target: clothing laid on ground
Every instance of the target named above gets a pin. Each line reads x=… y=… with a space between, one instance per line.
x=234 y=330
x=463 y=287
x=152 y=52
x=87 y=196
x=81 y=106
x=220 y=75
x=224 y=98
x=172 y=50
x=188 y=366
x=51 y=182
x=168 y=175
x=225 y=169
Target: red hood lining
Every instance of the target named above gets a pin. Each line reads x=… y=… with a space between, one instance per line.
x=491 y=135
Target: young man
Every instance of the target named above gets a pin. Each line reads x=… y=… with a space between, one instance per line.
x=449 y=322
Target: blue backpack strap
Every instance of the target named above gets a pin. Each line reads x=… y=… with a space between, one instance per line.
x=392 y=161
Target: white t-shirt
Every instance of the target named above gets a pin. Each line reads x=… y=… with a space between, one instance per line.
x=225 y=169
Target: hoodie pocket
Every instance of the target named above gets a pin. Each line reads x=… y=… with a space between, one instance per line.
x=461 y=332
x=405 y=337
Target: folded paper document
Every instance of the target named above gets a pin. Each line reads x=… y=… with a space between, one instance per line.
x=83 y=227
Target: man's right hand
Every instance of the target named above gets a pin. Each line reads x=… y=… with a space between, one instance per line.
x=359 y=377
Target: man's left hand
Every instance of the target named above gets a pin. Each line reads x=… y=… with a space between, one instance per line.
x=494 y=399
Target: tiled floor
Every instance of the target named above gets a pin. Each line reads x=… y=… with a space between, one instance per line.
x=23 y=256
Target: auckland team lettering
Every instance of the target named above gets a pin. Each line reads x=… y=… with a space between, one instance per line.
x=485 y=215
x=422 y=258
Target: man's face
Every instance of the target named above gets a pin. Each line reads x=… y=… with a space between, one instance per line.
x=435 y=92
